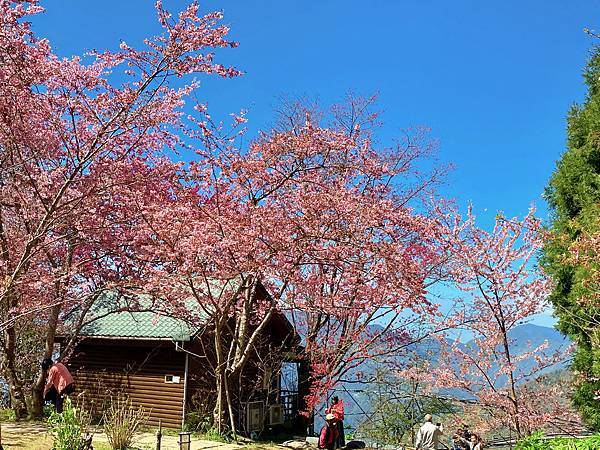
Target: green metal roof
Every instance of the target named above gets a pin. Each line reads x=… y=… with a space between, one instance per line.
x=115 y=317
x=138 y=324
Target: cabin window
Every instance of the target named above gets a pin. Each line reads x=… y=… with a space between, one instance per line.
x=172 y=379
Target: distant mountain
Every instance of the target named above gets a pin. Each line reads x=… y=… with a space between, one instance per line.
x=536 y=335
x=527 y=337
x=524 y=338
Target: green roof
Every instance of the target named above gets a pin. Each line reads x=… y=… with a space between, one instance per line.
x=139 y=325
x=116 y=317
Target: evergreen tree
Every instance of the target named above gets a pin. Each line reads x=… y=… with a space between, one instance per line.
x=573 y=194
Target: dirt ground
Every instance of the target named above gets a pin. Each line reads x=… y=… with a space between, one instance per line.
x=32 y=436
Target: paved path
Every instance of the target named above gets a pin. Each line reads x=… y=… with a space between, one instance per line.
x=147 y=441
x=17 y=435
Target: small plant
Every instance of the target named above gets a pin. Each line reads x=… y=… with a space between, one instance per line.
x=196 y=422
x=69 y=428
x=535 y=441
x=213 y=434
x=7 y=415
x=121 y=421
x=201 y=423
x=47 y=410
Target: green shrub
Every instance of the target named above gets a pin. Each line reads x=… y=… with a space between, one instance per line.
x=69 y=428
x=197 y=422
x=591 y=443
x=537 y=442
x=202 y=424
x=534 y=441
x=7 y=415
x=213 y=434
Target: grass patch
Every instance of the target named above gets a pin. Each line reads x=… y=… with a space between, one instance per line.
x=7 y=415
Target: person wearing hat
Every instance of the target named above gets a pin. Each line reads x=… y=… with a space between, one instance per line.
x=328 y=436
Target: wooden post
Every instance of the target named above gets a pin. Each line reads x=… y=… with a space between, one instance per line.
x=158 y=434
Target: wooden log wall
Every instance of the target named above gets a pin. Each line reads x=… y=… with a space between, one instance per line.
x=102 y=370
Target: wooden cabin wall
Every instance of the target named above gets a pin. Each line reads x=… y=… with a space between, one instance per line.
x=102 y=369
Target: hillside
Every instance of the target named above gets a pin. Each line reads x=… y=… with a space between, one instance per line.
x=525 y=337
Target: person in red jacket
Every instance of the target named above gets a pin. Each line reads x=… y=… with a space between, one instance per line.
x=337 y=409
x=328 y=436
x=59 y=383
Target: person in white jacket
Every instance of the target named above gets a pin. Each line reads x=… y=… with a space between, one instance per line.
x=428 y=437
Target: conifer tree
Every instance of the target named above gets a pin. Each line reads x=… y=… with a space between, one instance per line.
x=573 y=194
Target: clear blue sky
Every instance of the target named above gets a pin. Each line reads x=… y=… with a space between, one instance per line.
x=493 y=80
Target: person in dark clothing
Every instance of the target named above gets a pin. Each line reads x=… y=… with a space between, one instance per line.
x=466 y=432
x=328 y=437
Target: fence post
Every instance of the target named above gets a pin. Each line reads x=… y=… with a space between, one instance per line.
x=159 y=434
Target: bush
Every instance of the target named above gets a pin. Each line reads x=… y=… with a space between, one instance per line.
x=69 y=428
x=202 y=424
x=7 y=415
x=213 y=434
x=197 y=422
x=121 y=421
x=537 y=442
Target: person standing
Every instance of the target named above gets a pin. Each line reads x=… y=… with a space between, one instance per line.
x=328 y=437
x=459 y=442
x=428 y=436
x=476 y=442
x=466 y=433
x=337 y=409
x=59 y=383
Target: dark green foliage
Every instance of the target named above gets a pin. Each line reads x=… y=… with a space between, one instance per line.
x=537 y=441
x=573 y=194
x=534 y=441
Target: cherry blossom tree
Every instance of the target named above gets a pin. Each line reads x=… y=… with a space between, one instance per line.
x=75 y=134
x=500 y=288
x=319 y=216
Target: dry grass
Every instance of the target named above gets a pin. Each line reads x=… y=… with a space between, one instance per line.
x=32 y=436
x=28 y=436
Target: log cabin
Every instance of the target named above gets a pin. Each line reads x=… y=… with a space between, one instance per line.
x=165 y=365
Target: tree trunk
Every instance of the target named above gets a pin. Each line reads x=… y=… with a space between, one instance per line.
x=220 y=380
x=305 y=422
x=15 y=385
x=513 y=391
x=218 y=410
x=229 y=407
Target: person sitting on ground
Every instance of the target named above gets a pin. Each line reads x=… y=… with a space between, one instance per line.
x=59 y=383
x=337 y=409
x=428 y=436
x=328 y=436
x=476 y=442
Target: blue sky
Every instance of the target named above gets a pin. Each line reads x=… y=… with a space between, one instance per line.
x=493 y=80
